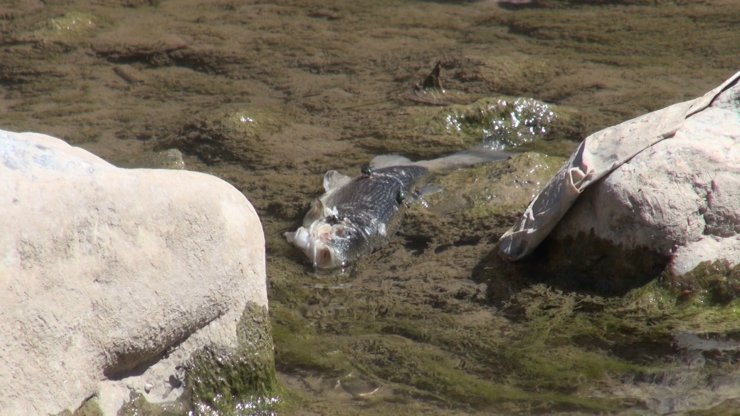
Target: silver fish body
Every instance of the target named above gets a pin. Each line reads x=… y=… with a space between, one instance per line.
x=358 y=215
x=355 y=215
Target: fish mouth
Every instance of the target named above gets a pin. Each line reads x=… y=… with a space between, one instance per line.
x=316 y=242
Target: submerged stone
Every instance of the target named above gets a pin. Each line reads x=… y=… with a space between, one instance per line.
x=237 y=134
x=497 y=188
x=501 y=123
x=69 y=27
x=471 y=199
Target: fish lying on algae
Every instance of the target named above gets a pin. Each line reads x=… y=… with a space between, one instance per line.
x=357 y=215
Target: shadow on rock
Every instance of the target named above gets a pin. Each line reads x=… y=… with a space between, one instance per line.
x=597 y=268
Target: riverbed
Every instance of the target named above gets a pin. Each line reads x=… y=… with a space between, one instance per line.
x=270 y=95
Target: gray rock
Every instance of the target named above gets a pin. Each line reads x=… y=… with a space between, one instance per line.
x=666 y=184
x=679 y=198
x=111 y=278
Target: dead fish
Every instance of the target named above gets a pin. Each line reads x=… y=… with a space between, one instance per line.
x=357 y=215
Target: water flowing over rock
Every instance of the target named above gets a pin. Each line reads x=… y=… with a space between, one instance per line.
x=111 y=278
x=670 y=191
x=504 y=124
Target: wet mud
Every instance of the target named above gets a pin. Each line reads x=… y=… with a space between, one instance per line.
x=270 y=95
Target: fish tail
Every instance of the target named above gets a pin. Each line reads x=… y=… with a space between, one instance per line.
x=385 y=161
x=464 y=158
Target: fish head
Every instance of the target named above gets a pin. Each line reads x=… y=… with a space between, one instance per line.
x=326 y=242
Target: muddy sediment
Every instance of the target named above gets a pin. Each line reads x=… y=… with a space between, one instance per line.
x=268 y=96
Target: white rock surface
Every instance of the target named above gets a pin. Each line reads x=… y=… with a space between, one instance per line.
x=105 y=269
x=680 y=197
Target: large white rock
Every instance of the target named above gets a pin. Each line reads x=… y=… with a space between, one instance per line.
x=110 y=278
x=679 y=198
x=666 y=184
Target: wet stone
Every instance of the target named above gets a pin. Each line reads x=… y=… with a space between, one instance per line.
x=501 y=123
x=234 y=381
x=476 y=201
x=237 y=134
x=68 y=28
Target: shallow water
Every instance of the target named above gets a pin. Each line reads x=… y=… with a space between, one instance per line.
x=270 y=95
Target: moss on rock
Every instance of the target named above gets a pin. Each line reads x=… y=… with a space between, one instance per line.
x=237 y=382
x=68 y=28
x=501 y=123
x=498 y=122
x=710 y=283
x=89 y=408
x=224 y=381
x=499 y=188
x=139 y=406
x=237 y=133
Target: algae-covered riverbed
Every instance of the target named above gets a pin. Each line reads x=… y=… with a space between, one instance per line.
x=270 y=95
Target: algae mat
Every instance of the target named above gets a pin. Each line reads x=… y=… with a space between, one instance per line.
x=270 y=95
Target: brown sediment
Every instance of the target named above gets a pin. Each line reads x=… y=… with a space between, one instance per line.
x=325 y=87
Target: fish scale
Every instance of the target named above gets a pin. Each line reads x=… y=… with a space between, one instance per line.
x=373 y=199
x=369 y=206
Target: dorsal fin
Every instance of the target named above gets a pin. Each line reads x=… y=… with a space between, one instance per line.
x=334 y=180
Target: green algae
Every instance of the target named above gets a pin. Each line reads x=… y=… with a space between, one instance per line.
x=547 y=349
x=506 y=344
x=727 y=408
x=709 y=283
x=225 y=381
x=138 y=405
x=500 y=188
x=431 y=360
x=529 y=361
x=704 y=300
x=238 y=382
x=68 y=28
x=251 y=122
x=499 y=123
x=435 y=374
x=89 y=408
x=236 y=134
x=299 y=348
x=569 y=340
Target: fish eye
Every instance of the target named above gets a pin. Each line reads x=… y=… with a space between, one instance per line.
x=332 y=220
